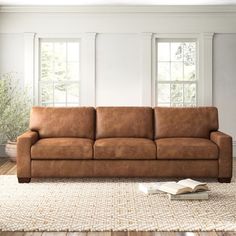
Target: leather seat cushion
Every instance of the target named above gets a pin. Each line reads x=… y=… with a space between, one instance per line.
x=186 y=148
x=124 y=148
x=62 y=148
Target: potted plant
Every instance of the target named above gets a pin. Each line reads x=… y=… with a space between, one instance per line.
x=14 y=111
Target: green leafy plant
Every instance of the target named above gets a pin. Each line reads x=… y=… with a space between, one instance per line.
x=14 y=107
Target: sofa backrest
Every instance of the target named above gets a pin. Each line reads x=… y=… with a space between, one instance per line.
x=135 y=122
x=185 y=122
x=63 y=122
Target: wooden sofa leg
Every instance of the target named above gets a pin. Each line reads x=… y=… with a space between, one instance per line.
x=224 y=180
x=24 y=180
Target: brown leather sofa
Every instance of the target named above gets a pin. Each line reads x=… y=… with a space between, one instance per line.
x=124 y=142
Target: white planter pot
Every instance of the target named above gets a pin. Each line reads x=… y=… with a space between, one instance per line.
x=10 y=150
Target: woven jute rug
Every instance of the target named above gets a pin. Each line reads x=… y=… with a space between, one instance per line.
x=109 y=204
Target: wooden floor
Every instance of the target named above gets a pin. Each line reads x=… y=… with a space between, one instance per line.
x=9 y=168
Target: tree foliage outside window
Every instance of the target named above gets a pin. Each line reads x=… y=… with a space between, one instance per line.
x=176 y=80
x=59 y=73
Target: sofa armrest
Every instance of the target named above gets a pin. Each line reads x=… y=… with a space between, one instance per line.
x=224 y=143
x=24 y=143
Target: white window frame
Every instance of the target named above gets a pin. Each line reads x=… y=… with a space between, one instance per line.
x=87 y=64
x=39 y=82
x=173 y=40
x=149 y=65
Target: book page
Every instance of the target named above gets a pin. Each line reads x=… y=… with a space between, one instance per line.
x=193 y=184
x=174 y=188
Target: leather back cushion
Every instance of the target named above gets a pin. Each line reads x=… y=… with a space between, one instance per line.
x=185 y=122
x=63 y=122
x=118 y=122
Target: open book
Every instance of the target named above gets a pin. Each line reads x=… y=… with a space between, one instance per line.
x=183 y=186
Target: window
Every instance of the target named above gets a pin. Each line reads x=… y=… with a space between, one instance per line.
x=59 y=72
x=176 y=73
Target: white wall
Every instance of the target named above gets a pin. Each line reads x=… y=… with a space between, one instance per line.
x=224 y=84
x=11 y=53
x=118 y=48
x=118 y=70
